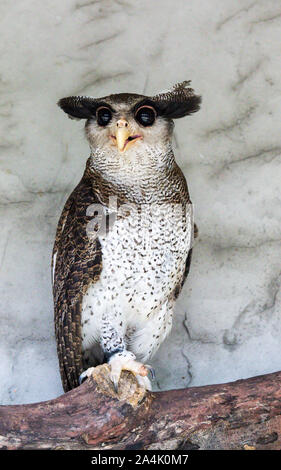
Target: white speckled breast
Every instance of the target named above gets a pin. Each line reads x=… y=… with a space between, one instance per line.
x=143 y=259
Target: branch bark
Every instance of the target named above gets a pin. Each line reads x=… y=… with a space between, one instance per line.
x=239 y=415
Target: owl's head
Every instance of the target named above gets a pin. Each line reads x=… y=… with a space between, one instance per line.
x=126 y=121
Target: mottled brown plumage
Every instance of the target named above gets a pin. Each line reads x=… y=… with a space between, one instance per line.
x=78 y=262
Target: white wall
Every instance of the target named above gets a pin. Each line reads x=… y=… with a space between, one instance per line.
x=228 y=319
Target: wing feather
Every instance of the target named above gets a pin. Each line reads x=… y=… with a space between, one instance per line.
x=78 y=262
x=187 y=265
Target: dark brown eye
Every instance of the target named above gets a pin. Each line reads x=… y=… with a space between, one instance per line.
x=145 y=116
x=103 y=115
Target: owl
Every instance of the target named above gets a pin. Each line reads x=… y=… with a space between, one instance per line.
x=124 y=239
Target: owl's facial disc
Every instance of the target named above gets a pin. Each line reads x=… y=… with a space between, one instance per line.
x=124 y=138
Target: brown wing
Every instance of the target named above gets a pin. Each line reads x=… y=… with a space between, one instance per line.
x=78 y=262
x=187 y=264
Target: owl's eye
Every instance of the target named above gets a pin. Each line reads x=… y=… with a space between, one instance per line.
x=145 y=116
x=103 y=115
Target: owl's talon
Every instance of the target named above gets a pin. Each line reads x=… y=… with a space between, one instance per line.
x=115 y=385
x=84 y=376
x=151 y=370
x=115 y=380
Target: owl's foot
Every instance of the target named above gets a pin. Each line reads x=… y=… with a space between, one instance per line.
x=125 y=360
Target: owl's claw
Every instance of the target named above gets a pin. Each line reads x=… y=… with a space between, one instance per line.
x=115 y=385
x=126 y=361
x=115 y=376
x=85 y=375
x=151 y=370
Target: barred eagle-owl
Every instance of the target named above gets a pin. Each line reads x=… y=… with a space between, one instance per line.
x=124 y=239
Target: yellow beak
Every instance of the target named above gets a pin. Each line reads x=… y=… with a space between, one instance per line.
x=122 y=134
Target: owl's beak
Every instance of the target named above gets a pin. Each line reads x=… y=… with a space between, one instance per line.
x=123 y=136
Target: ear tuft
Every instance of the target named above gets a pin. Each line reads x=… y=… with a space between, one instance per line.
x=178 y=102
x=78 y=107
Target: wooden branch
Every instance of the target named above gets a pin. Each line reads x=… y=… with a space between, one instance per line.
x=240 y=415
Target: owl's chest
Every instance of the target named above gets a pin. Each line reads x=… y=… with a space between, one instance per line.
x=148 y=247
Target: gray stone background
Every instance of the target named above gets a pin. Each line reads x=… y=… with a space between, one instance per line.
x=227 y=324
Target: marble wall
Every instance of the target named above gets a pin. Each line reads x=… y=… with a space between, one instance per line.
x=228 y=317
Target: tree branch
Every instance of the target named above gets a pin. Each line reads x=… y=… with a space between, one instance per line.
x=239 y=415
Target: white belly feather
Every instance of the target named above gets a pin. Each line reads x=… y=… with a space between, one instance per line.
x=142 y=263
